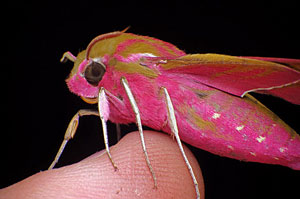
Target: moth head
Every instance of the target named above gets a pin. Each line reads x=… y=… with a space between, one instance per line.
x=85 y=76
x=90 y=66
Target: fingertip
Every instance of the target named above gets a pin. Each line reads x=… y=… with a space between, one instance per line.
x=95 y=176
x=133 y=174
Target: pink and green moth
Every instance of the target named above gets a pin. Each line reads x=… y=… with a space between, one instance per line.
x=203 y=99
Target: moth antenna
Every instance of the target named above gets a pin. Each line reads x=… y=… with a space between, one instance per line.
x=101 y=37
x=68 y=56
x=125 y=29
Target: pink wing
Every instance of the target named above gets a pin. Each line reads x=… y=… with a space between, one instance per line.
x=291 y=92
x=293 y=63
x=240 y=75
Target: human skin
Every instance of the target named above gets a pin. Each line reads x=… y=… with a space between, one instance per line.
x=94 y=177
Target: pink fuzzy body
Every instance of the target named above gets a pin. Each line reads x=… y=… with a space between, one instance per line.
x=232 y=126
x=208 y=118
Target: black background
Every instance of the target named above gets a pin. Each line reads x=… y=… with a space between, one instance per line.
x=37 y=105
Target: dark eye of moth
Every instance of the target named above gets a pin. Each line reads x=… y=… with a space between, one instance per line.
x=94 y=73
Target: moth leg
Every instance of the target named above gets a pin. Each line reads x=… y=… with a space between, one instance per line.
x=70 y=132
x=139 y=124
x=103 y=110
x=174 y=128
x=118 y=128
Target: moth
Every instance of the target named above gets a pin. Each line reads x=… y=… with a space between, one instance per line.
x=201 y=99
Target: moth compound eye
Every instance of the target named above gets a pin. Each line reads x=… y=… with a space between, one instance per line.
x=94 y=73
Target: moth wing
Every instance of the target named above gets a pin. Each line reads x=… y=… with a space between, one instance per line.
x=240 y=75
x=292 y=63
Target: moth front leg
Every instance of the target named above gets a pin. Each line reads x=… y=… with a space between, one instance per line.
x=70 y=132
x=174 y=128
x=139 y=124
x=103 y=110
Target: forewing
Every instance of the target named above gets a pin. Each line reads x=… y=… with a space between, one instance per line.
x=292 y=63
x=240 y=75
